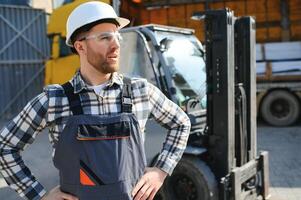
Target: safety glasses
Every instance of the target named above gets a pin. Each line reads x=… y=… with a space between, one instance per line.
x=104 y=37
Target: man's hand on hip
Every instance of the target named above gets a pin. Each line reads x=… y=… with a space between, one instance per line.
x=57 y=194
x=149 y=184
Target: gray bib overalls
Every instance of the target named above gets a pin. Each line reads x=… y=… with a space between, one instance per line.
x=100 y=157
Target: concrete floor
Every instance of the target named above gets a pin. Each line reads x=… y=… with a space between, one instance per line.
x=284 y=146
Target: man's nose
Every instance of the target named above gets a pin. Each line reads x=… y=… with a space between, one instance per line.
x=115 y=43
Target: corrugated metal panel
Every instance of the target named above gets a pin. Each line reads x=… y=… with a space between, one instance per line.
x=19 y=84
x=23 y=34
x=24 y=47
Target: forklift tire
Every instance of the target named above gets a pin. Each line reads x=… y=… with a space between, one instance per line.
x=192 y=179
x=161 y=195
x=280 y=108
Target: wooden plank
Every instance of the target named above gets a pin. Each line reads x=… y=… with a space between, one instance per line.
x=251 y=7
x=177 y=15
x=278 y=78
x=296 y=32
x=270 y=34
x=158 y=16
x=273 y=10
x=261 y=10
x=264 y=10
x=274 y=33
x=295 y=6
x=295 y=10
x=268 y=24
x=198 y=26
x=295 y=18
x=217 y=5
x=199 y=30
x=144 y=16
x=239 y=7
x=261 y=35
x=191 y=8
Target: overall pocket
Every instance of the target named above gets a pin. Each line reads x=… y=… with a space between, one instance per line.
x=104 y=153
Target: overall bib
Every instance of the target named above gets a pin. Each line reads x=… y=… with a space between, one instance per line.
x=100 y=157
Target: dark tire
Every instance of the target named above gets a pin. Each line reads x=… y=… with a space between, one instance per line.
x=161 y=195
x=280 y=108
x=192 y=179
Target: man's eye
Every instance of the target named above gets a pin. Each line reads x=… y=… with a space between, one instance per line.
x=105 y=37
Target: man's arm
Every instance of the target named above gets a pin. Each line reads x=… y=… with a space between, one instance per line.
x=14 y=137
x=172 y=117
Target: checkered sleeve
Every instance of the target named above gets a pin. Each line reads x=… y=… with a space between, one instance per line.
x=172 y=117
x=14 y=137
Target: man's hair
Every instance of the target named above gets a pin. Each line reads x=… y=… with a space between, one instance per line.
x=80 y=31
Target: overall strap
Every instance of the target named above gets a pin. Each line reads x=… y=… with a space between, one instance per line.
x=74 y=100
x=126 y=99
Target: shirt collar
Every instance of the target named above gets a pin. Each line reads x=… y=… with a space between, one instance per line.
x=79 y=84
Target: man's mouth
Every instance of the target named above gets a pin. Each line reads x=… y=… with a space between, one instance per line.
x=113 y=57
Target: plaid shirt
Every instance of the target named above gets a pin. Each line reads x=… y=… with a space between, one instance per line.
x=51 y=109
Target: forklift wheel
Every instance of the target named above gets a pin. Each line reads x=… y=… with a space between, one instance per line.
x=192 y=179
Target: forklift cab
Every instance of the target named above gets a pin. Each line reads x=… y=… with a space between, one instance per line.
x=152 y=52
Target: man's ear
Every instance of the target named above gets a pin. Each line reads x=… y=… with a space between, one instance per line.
x=79 y=47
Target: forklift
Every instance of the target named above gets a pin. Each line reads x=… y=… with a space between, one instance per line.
x=216 y=87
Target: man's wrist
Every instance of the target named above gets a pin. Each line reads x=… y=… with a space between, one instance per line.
x=163 y=166
x=162 y=172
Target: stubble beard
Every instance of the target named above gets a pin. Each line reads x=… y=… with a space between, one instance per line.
x=100 y=64
x=107 y=68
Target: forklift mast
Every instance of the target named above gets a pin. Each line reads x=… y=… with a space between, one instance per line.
x=245 y=77
x=231 y=107
x=220 y=90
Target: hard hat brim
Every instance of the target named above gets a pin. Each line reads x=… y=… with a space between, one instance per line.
x=122 y=22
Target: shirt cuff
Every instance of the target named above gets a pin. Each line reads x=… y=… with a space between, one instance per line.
x=165 y=164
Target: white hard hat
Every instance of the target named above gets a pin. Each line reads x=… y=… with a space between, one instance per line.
x=89 y=12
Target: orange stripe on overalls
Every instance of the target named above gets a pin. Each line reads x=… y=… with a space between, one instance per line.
x=84 y=178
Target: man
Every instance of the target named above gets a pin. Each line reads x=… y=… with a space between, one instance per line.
x=96 y=122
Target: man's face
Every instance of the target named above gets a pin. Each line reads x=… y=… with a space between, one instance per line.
x=102 y=48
